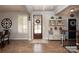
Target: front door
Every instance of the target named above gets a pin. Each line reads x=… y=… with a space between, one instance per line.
x=37 y=26
x=72 y=31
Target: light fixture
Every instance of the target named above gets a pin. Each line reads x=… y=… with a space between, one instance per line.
x=72 y=10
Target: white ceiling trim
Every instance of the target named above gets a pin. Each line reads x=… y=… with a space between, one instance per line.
x=32 y=8
x=60 y=8
x=54 y=8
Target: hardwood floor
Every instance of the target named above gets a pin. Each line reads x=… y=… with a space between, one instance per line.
x=55 y=47
x=17 y=47
x=27 y=47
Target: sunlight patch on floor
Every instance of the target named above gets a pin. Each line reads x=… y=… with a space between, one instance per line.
x=37 y=48
x=39 y=41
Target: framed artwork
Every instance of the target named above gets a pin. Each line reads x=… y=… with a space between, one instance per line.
x=60 y=22
x=6 y=23
x=52 y=22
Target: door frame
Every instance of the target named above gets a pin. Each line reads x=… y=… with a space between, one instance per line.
x=72 y=41
x=41 y=25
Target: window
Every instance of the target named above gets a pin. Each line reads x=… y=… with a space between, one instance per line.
x=37 y=23
x=22 y=24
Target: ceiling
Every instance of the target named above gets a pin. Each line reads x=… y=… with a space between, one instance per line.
x=67 y=10
x=32 y=7
x=58 y=9
x=53 y=8
x=11 y=8
x=41 y=7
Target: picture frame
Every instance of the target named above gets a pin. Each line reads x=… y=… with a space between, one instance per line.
x=52 y=22
x=60 y=22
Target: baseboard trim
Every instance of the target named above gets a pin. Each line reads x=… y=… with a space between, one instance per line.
x=19 y=39
x=30 y=39
x=54 y=40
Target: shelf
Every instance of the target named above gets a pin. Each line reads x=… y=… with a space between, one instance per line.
x=56 y=22
x=59 y=25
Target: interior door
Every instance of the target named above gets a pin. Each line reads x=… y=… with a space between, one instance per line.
x=72 y=31
x=37 y=26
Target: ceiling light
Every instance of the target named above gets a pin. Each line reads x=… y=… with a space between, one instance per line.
x=72 y=10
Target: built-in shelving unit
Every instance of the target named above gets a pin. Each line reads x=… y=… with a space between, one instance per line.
x=56 y=24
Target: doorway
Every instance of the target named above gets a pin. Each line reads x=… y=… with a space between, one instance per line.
x=37 y=27
x=72 y=31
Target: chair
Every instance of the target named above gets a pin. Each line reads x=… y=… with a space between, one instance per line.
x=1 y=39
x=4 y=38
x=6 y=35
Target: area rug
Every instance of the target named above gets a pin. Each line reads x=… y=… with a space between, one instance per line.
x=71 y=49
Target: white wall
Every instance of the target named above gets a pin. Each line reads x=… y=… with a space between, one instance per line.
x=14 y=28
x=77 y=21
x=29 y=36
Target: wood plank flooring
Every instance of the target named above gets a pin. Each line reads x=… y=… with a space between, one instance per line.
x=22 y=46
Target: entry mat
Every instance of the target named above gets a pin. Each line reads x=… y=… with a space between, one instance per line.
x=71 y=49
